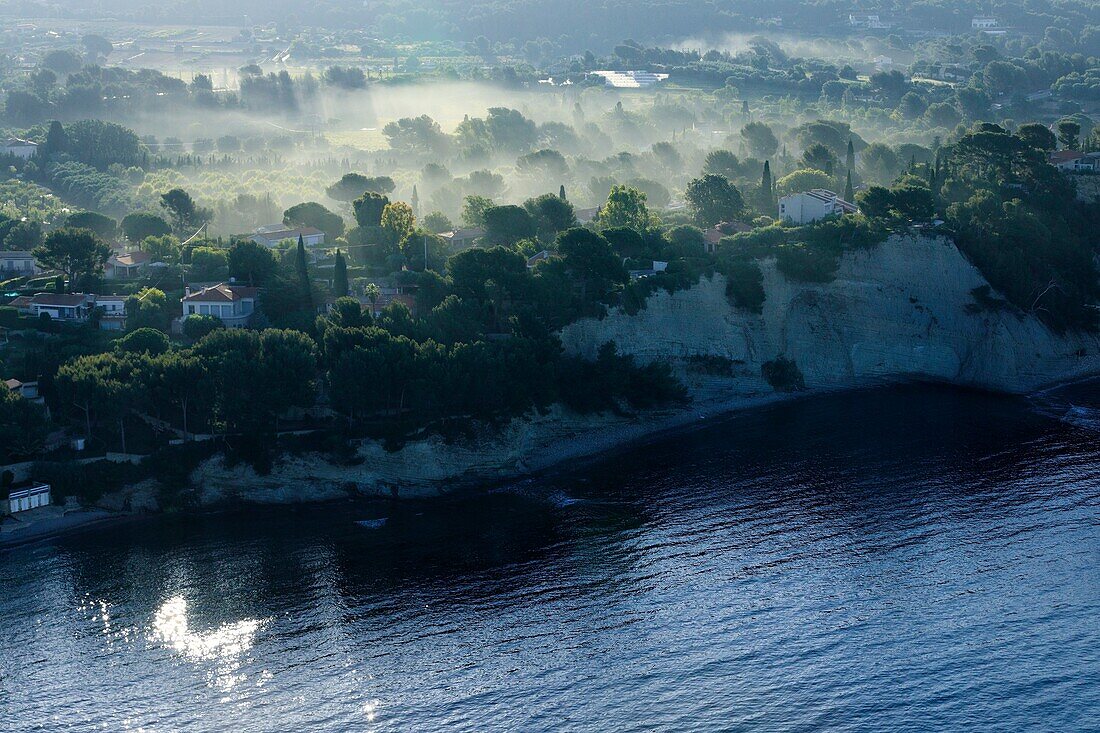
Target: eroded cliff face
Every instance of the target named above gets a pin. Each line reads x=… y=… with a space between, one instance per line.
x=900 y=311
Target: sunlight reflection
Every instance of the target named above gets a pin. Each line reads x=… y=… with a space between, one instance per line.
x=224 y=645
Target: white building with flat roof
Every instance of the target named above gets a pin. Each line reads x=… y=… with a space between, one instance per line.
x=808 y=206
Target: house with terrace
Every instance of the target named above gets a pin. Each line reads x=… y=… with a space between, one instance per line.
x=65 y=307
x=233 y=304
x=127 y=265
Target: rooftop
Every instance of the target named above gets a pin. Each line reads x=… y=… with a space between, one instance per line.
x=60 y=299
x=130 y=259
x=282 y=231
x=222 y=293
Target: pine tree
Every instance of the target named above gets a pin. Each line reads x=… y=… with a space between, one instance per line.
x=340 y=276
x=849 y=194
x=561 y=193
x=303 y=274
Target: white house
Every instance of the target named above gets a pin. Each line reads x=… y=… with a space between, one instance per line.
x=112 y=312
x=28 y=496
x=125 y=265
x=867 y=20
x=270 y=236
x=74 y=307
x=19 y=148
x=13 y=264
x=802 y=208
x=233 y=304
x=984 y=23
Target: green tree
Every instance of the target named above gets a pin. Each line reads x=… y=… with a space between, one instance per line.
x=185 y=214
x=722 y=163
x=74 y=252
x=57 y=140
x=1038 y=135
x=508 y=224
x=714 y=199
x=181 y=378
x=437 y=222
x=165 y=248
x=368 y=209
x=104 y=226
x=817 y=157
x=301 y=266
x=251 y=262
x=552 y=214
x=1069 y=134
x=148 y=308
x=802 y=180
x=625 y=207
x=339 y=276
x=208 y=263
x=474 y=208
x=590 y=259
x=144 y=340
x=138 y=226
x=875 y=202
x=397 y=222
x=760 y=139
x=313 y=214
x=197 y=325
x=353 y=185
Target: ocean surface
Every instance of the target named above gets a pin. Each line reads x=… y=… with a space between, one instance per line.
x=915 y=559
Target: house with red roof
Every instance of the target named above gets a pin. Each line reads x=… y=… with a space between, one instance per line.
x=233 y=304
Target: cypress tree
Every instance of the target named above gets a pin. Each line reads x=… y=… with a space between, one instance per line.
x=849 y=194
x=415 y=201
x=850 y=158
x=340 y=276
x=303 y=274
x=57 y=140
x=766 y=184
x=561 y=193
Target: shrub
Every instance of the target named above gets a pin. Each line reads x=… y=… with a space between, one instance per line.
x=783 y=375
x=801 y=263
x=744 y=284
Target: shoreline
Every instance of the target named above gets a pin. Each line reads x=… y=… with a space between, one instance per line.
x=584 y=450
x=67 y=523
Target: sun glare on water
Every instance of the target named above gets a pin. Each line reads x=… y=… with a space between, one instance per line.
x=224 y=646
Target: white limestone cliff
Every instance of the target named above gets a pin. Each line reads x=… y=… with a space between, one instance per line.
x=901 y=311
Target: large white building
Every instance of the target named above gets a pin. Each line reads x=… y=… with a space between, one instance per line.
x=233 y=304
x=808 y=206
x=19 y=148
x=630 y=79
x=984 y=23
